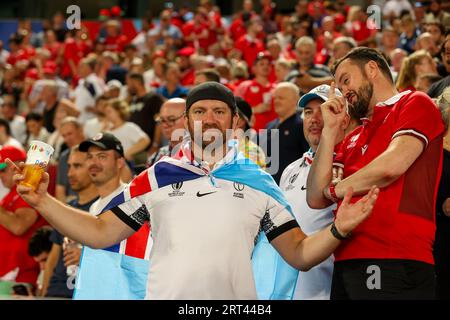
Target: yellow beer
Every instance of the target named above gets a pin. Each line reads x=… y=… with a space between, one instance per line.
x=38 y=156
x=32 y=175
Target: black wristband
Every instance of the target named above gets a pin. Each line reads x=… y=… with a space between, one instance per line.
x=337 y=234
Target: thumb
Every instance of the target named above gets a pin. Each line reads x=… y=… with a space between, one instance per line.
x=348 y=196
x=43 y=185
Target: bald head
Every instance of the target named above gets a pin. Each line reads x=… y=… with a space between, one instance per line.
x=286 y=96
x=171 y=116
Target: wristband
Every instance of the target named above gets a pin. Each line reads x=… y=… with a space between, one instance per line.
x=332 y=191
x=337 y=234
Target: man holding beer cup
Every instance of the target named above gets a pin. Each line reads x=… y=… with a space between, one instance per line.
x=201 y=221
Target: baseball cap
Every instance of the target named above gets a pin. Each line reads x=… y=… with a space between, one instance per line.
x=49 y=67
x=13 y=153
x=319 y=92
x=114 y=84
x=186 y=52
x=103 y=140
x=244 y=109
x=263 y=55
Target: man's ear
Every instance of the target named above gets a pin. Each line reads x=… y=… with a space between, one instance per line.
x=371 y=69
x=121 y=162
x=235 y=121
x=186 y=120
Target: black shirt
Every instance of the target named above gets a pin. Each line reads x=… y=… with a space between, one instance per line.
x=57 y=287
x=437 y=88
x=49 y=116
x=292 y=143
x=143 y=111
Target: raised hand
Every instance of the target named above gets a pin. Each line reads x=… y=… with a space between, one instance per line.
x=349 y=216
x=33 y=198
x=333 y=110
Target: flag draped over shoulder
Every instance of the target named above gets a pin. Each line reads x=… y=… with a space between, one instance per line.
x=119 y=273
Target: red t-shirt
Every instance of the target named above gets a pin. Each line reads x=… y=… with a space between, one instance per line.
x=188 y=78
x=249 y=48
x=191 y=28
x=237 y=29
x=254 y=93
x=402 y=224
x=74 y=51
x=14 y=249
x=360 y=31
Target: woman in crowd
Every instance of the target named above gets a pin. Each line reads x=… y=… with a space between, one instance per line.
x=133 y=139
x=420 y=62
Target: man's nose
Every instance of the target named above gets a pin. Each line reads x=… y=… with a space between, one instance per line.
x=209 y=116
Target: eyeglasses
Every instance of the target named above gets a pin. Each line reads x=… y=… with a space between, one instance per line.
x=170 y=121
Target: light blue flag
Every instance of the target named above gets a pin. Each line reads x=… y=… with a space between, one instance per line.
x=115 y=276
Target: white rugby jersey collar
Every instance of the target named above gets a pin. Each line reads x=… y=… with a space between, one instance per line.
x=393 y=100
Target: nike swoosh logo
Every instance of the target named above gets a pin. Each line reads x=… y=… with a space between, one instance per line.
x=204 y=194
x=303 y=188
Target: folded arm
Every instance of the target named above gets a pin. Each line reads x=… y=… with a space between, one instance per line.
x=401 y=153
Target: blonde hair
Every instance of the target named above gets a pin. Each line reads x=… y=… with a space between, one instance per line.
x=121 y=106
x=407 y=75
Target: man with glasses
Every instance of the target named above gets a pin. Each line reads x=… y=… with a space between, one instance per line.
x=172 y=128
x=437 y=88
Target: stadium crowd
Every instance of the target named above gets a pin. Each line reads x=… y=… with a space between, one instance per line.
x=127 y=96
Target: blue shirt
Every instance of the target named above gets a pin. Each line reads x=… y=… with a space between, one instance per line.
x=178 y=93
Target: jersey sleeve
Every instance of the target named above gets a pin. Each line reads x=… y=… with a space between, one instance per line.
x=277 y=220
x=133 y=202
x=339 y=153
x=418 y=117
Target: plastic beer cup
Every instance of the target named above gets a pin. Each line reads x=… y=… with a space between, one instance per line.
x=38 y=156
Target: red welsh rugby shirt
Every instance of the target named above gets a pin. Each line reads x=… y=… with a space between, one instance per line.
x=402 y=224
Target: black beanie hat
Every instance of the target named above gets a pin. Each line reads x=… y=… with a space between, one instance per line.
x=211 y=91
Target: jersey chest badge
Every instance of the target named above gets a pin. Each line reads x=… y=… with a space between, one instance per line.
x=176 y=190
x=254 y=89
x=292 y=179
x=239 y=187
x=353 y=141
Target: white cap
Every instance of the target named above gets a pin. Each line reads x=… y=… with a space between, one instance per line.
x=319 y=92
x=114 y=84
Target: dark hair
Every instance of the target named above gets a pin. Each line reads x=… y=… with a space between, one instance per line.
x=40 y=241
x=34 y=116
x=137 y=76
x=443 y=46
x=16 y=38
x=13 y=98
x=210 y=74
x=360 y=56
x=4 y=123
x=437 y=24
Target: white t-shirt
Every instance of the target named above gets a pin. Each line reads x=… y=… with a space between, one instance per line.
x=316 y=283
x=18 y=128
x=203 y=230
x=87 y=91
x=129 y=134
x=92 y=127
